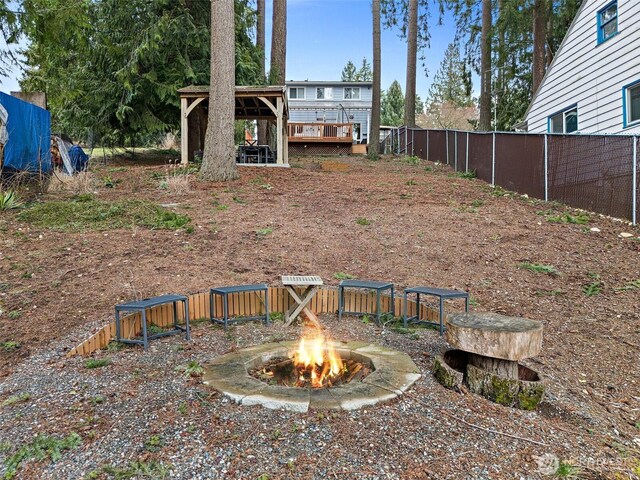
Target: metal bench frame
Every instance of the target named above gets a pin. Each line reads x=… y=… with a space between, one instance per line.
x=142 y=306
x=442 y=294
x=365 y=285
x=224 y=293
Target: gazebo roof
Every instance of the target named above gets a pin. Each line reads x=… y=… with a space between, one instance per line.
x=249 y=105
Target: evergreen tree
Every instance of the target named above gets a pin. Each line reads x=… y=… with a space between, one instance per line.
x=219 y=158
x=113 y=80
x=364 y=74
x=392 y=106
x=450 y=83
x=349 y=72
x=374 y=136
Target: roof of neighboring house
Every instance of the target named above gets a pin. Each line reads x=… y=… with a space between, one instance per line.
x=296 y=83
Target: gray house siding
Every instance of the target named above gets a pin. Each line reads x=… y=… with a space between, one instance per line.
x=334 y=110
x=590 y=74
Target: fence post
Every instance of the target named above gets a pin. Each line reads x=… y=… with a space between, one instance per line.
x=466 y=165
x=634 y=193
x=413 y=142
x=406 y=140
x=427 y=145
x=446 y=141
x=455 y=151
x=546 y=168
x=493 y=162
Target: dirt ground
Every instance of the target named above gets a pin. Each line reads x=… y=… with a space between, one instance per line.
x=412 y=224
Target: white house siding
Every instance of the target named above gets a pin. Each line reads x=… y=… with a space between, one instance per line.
x=335 y=110
x=592 y=75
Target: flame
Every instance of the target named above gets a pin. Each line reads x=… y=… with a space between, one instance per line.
x=316 y=360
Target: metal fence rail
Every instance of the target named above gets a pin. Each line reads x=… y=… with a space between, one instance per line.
x=594 y=172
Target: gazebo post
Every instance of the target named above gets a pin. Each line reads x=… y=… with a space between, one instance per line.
x=184 y=131
x=279 y=131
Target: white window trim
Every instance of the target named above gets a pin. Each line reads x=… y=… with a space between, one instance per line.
x=564 y=120
x=298 y=89
x=353 y=89
x=325 y=90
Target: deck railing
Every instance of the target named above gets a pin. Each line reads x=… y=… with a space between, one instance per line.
x=321 y=132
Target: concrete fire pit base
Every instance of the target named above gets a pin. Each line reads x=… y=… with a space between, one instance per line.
x=393 y=373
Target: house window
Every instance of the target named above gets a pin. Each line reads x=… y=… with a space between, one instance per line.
x=565 y=121
x=352 y=93
x=608 y=21
x=631 y=102
x=296 y=93
x=323 y=93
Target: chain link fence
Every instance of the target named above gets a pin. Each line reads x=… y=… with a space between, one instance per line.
x=594 y=172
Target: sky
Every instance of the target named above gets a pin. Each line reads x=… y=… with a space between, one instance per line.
x=323 y=35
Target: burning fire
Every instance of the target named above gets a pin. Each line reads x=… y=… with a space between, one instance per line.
x=316 y=361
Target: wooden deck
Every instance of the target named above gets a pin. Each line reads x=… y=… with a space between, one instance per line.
x=321 y=132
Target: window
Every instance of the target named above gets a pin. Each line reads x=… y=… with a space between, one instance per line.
x=296 y=93
x=608 y=21
x=352 y=93
x=565 y=121
x=631 y=104
x=323 y=93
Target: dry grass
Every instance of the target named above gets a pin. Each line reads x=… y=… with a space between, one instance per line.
x=177 y=184
x=83 y=182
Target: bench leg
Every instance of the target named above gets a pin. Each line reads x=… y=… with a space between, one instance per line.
x=118 y=325
x=393 y=303
x=225 y=304
x=145 y=339
x=405 y=309
x=212 y=305
x=340 y=303
x=378 y=307
x=466 y=303
x=186 y=319
x=175 y=315
x=441 y=316
x=417 y=307
x=266 y=304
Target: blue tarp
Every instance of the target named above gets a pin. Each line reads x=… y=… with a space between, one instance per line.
x=29 y=127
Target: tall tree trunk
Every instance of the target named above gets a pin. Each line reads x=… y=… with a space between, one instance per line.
x=485 y=68
x=412 y=53
x=374 y=134
x=260 y=43
x=277 y=73
x=277 y=70
x=219 y=159
x=539 y=42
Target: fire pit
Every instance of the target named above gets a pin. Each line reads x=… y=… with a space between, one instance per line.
x=313 y=373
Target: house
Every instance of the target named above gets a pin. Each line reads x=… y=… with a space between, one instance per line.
x=593 y=83
x=328 y=117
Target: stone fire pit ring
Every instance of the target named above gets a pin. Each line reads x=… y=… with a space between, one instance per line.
x=393 y=373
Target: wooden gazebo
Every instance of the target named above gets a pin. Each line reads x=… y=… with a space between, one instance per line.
x=252 y=103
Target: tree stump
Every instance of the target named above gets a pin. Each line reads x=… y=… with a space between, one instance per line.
x=489 y=347
x=495 y=336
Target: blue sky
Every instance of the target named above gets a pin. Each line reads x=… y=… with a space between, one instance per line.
x=323 y=35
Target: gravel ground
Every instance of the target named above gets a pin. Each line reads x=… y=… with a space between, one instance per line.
x=142 y=408
x=141 y=417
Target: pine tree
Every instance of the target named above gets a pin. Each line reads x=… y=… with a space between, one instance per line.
x=364 y=74
x=349 y=72
x=392 y=106
x=374 y=135
x=219 y=159
x=450 y=83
